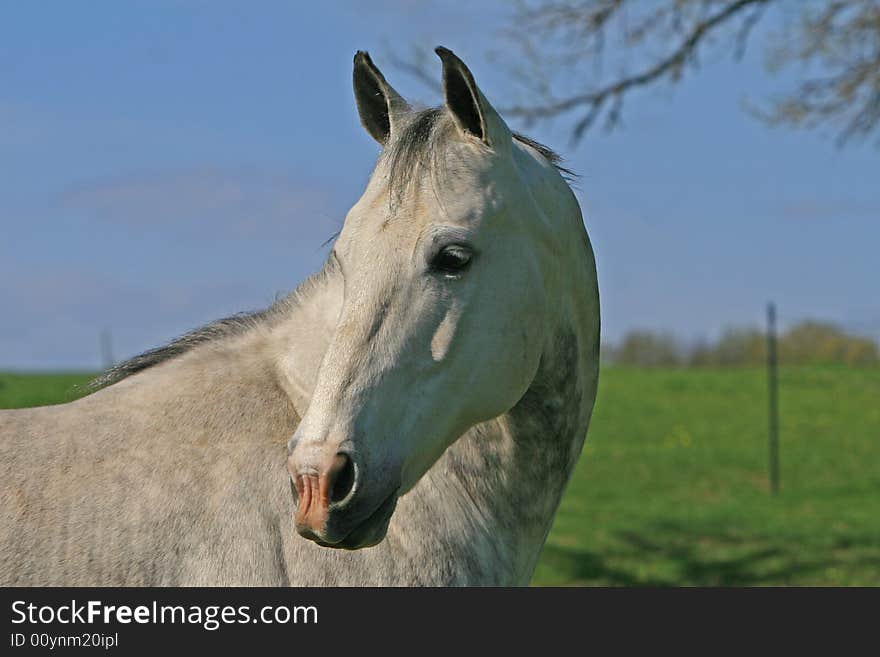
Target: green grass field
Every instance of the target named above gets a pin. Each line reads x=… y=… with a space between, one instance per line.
x=24 y=390
x=672 y=486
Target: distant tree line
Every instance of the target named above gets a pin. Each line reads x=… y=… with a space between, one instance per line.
x=806 y=342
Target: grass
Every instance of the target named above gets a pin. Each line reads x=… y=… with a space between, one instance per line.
x=672 y=486
x=25 y=390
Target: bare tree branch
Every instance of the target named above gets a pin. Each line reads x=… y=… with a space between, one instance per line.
x=671 y=65
x=416 y=66
x=559 y=46
x=843 y=40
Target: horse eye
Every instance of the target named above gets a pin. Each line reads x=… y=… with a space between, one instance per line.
x=451 y=260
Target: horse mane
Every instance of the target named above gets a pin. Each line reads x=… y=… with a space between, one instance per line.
x=419 y=145
x=216 y=330
x=226 y=327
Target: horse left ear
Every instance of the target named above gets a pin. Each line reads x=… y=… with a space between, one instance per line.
x=473 y=114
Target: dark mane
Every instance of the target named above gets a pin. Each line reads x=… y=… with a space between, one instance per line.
x=217 y=330
x=221 y=328
x=548 y=154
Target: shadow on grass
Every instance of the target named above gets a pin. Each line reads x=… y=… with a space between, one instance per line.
x=679 y=555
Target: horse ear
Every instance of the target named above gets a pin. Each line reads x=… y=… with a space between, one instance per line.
x=379 y=105
x=472 y=112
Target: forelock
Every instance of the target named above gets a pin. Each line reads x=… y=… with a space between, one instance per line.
x=421 y=147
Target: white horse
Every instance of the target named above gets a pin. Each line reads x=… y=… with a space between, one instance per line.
x=420 y=402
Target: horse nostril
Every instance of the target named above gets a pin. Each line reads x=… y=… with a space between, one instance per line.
x=343 y=478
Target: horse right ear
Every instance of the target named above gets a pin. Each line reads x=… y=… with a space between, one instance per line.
x=380 y=107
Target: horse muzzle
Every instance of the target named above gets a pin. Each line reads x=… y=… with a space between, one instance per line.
x=331 y=508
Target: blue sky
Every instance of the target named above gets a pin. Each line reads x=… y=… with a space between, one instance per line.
x=165 y=163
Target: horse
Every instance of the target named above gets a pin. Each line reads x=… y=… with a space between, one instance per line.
x=409 y=415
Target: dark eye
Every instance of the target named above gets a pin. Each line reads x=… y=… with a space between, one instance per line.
x=451 y=260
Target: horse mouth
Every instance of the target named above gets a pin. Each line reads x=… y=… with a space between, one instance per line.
x=370 y=531
x=366 y=533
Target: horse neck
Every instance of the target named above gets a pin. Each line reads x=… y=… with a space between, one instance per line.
x=503 y=479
